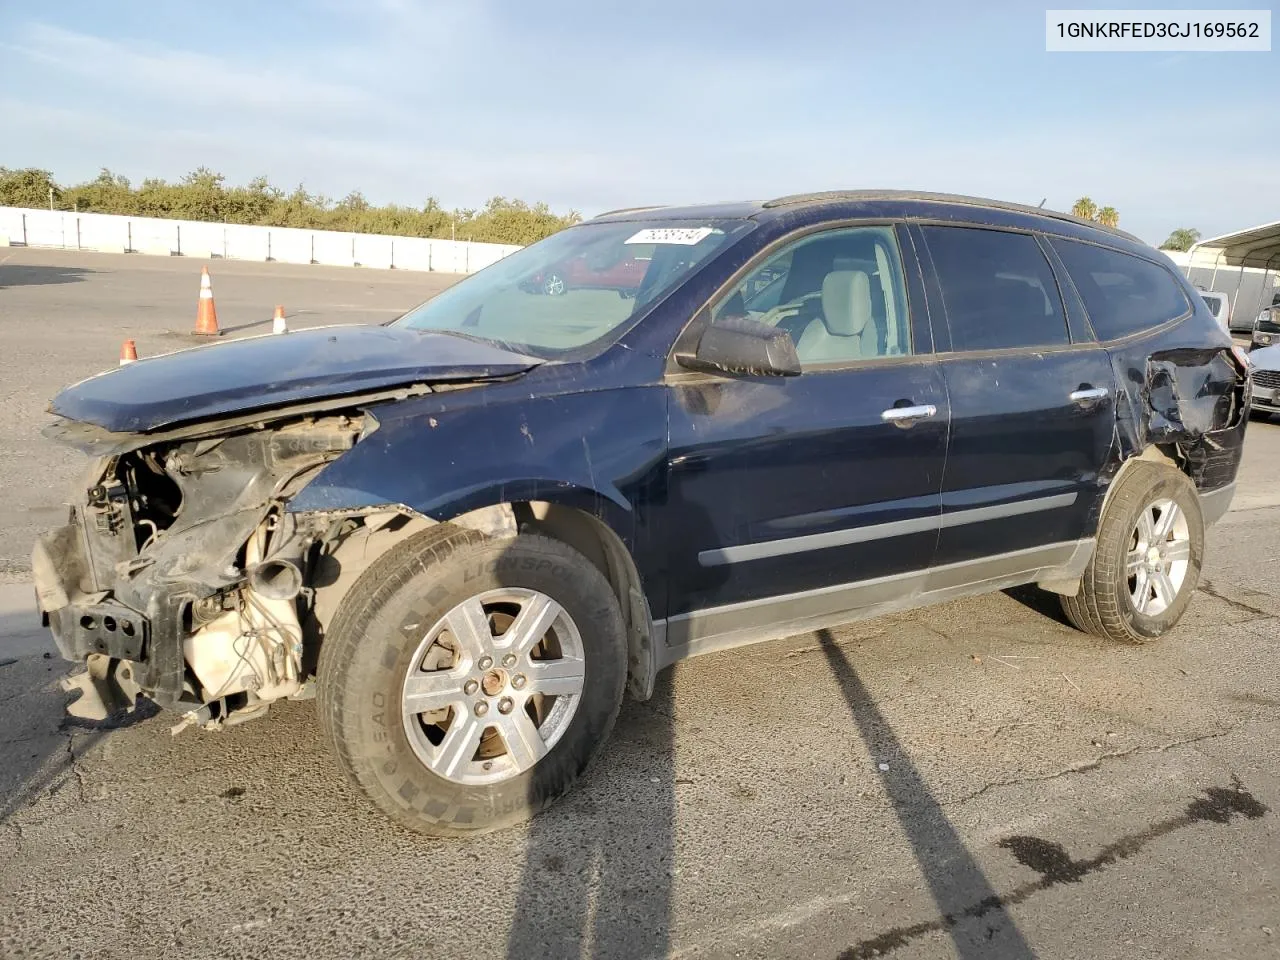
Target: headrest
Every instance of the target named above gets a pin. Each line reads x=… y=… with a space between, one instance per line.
x=846 y=302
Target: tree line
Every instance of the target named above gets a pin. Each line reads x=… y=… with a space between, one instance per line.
x=1086 y=209
x=205 y=195
x=1182 y=239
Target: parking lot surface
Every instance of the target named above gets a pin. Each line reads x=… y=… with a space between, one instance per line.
x=972 y=780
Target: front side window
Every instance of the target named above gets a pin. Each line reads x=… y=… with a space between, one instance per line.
x=577 y=287
x=998 y=288
x=1122 y=294
x=839 y=294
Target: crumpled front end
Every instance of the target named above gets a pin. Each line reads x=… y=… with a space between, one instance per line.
x=177 y=574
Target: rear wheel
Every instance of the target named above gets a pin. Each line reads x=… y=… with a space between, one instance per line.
x=1146 y=564
x=553 y=284
x=467 y=682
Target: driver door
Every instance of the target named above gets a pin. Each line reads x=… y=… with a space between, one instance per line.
x=794 y=498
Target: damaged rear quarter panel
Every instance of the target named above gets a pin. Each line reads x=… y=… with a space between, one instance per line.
x=1184 y=392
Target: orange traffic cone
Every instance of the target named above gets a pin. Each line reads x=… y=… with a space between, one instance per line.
x=128 y=352
x=277 y=322
x=206 y=313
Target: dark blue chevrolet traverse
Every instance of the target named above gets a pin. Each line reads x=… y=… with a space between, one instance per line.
x=468 y=532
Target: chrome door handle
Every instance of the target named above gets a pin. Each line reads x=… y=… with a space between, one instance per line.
x=1087 y=394
x=908 y=415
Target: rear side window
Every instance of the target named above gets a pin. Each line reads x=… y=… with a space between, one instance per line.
x=998 y=289
x=1122 y=294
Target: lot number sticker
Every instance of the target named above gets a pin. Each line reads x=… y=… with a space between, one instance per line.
x=684 y=236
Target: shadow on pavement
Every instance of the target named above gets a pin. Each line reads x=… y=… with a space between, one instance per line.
x=954 y=877
x=40 y=744
x=35 y=275
x=1041 y=601
x=597 y=876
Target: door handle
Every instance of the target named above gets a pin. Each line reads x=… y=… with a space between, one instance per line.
x=906 y=416
x=1088 y=394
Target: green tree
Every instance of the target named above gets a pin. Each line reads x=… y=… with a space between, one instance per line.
x=1085 y=209
x=27 y=188
x=108 y=193
x=204 y=194
x=1183 y=239
x=1109 y=217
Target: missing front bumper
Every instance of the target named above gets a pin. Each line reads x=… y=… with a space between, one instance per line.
x=83 y=623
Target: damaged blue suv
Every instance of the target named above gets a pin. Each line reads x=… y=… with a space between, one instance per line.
x=469 y=531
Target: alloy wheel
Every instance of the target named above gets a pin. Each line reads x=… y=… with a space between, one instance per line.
x=1158 y=557
x=493 y=686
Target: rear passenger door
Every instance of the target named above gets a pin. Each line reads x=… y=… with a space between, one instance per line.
x=1031 y=394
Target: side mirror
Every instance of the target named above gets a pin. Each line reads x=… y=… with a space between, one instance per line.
x=739 y=345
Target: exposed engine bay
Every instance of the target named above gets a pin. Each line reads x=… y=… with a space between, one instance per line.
x=180 y=575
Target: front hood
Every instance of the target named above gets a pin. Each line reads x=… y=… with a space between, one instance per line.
x=263 y=372
x=1266 y=358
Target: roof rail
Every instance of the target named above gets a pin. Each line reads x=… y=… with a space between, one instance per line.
x=835 y=196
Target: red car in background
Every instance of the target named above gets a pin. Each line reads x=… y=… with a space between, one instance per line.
x=624 y=275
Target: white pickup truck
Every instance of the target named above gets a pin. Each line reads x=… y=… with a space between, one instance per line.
x=1219 y=305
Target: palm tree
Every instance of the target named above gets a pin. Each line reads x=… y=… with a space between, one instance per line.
x=1085 y=209
x=1109 y=217
x=1184 y=238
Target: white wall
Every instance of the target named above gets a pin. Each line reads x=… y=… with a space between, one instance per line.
x=187 y=238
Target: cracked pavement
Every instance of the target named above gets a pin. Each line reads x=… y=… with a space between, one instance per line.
x=972 y=780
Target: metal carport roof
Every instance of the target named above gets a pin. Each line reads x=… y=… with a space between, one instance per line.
x=1256 y=247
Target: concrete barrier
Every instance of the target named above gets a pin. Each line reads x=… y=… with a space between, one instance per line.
x=412 y=253
x=449 y=256
x=104 y=233
x=12 y=225
x=333 y=249
x=199 y=239
x=246 y=242
x=373 y=250
x=157 y=237
x=48 y=229
x=290 y=245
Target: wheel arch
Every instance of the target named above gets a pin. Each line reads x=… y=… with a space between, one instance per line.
x=577 y=520
x=1069 y=585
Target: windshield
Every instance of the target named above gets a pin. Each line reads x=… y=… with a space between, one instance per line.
x=576 y=286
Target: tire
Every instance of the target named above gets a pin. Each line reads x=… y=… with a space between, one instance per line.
x=1105 y=605
x=385 y=625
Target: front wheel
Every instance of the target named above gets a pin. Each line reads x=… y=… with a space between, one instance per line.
x=467 y=682
x=1147 y=560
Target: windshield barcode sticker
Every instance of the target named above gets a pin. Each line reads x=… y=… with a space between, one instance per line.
x=685 y=236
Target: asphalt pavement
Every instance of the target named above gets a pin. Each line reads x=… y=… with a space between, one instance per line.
x=973 y=780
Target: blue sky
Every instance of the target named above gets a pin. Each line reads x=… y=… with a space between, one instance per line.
x=592 y=105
